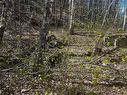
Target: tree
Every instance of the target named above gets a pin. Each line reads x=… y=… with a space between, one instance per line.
x=71 y=10
x=125 y=16
x=107 y=11
x=3 y=5
x=45 y=23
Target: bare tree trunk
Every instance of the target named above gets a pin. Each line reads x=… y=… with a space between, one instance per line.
x=2 y=20
x=43 y=34
x=100 y=43
x=107 y=13
x=115 y=42
x=45 y=26
x=116 y=15
x=71 y=9
x=124 y=22
x=2 y=29
x=44 y=31
x=62 y=5
x=92 y=15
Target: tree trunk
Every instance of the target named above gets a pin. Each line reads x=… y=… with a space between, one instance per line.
x=116 y=16
x=107 y=11
x=125 y=16
x=45 y=26
x=2 y=20
x=2 y=29
x=99 y=44
x=71 y=9
x=44 y=32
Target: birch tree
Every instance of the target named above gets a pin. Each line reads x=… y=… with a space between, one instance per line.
x=125 y=16
x=106 y=13
x=101 y=39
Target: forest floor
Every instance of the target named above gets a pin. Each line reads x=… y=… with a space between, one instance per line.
x=77 y=70
x=75 y=76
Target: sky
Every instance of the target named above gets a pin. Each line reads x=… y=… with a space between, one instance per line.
x=123 y=5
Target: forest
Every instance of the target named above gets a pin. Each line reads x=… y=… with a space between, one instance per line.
x=63 y=47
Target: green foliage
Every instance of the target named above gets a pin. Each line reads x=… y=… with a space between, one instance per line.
x=108 y=36
x=124 y=58
x=108 y=44
x=88 y=58
x=106 y=60
x=46 y=93
x=55 y=59
x=96 y=75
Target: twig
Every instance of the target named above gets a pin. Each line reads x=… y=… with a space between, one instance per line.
x=114 y=83
x=17 y=67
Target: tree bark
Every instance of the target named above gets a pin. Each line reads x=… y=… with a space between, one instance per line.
x=107 y=13
x=2 y=20
x=71 y=9
x=45 y=26
x=124 y=21
x=2 y=29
